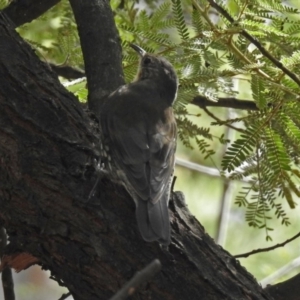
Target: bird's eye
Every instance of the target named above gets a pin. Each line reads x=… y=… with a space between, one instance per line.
x=147 y=61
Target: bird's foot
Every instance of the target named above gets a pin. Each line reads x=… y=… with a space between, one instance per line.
x=100 y=172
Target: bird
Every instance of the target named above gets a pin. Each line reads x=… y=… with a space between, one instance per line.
x=139 y=134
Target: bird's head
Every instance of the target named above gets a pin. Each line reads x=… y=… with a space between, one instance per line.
x=156 y=68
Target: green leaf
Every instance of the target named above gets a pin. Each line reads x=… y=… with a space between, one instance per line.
x=258 y=89
x=179 y=20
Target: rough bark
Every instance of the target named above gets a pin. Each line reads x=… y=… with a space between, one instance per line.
x=288 y=289
x=24 y=11
x=101 y=49
x=6 y=276
x=46 y=173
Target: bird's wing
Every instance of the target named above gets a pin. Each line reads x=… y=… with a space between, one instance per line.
x=162 y=148
x=142 y=144
x=142 y=140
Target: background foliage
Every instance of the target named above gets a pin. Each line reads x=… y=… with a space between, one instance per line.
x=258 y=148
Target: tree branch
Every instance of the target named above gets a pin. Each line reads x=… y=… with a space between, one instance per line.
x=229 y=102
x=288 y=289
x=139 y=278
x=67 y=71
x=24 y=11
x=101 y=49
x=255 y=42
x=220 y=121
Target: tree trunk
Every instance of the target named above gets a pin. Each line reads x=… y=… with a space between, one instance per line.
x=47 y=149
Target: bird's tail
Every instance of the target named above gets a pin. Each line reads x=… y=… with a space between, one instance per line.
x=153 y=220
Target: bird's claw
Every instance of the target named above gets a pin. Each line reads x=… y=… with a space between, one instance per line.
x=101 y=172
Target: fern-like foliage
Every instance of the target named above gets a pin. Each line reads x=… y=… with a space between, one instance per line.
x=179 y=20
x=240 y=150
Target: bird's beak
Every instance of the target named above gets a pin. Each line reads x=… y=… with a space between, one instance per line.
x=138 y=49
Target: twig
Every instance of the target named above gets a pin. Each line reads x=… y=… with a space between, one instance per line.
x=229 y=102
x=255 y=42
x=7 y=280
x=220 y=121
x=268 y=248
x=204 y=13
x=197 y=167
x=207 y=170
x=224 y=212
x=140 y=277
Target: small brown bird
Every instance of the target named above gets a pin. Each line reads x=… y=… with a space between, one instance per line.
x=139 y=141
